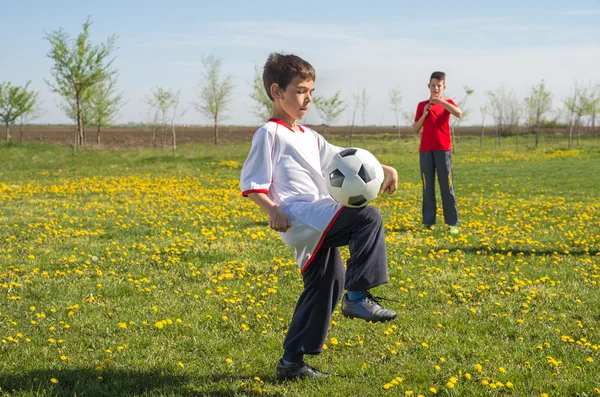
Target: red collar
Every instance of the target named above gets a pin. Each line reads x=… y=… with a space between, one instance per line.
x=283 y=123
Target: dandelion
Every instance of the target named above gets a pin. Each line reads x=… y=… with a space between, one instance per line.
x=333 y=341
x=180 y=364
x=54 y=380
x=229 y=361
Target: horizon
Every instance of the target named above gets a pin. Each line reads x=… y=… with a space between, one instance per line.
x=483 y=47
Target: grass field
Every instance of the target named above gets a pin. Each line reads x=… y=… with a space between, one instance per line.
x=144 y=272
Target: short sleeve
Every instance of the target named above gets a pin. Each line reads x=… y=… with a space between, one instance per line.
x=419 y=113
x=326 y=151
x=257 y=171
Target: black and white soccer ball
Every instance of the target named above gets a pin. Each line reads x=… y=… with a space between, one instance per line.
x=354 y=177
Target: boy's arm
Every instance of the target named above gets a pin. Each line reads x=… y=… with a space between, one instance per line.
x=390 y=184
x=449 y=105
x=278 y=220
x=419 y=123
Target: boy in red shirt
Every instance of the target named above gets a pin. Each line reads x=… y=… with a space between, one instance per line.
x=435 y=151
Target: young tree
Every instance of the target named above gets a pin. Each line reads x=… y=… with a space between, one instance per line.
x=216 y=93
x=161 y=102
x=395 y=105
x=576 y=107
x=15 y=101
x=591 y=104
x=263 y=107
x=34 y=113
x=465 y=114
x=78 y=66
x=330 y=109
x=363 y=101
x=174 y=116
x=539 y=102
x=356 y=103
x=104 y=105
x=483 y=110
x=409 y=119
x=504 y=108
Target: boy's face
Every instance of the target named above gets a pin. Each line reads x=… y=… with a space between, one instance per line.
x=436 y=87
x=296 y=97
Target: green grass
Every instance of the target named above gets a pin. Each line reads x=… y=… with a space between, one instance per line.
x=144 y=272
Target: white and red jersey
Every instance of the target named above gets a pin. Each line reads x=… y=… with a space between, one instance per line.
x=288 y=167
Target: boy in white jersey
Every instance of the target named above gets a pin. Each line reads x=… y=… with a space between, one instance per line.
x=283 y=174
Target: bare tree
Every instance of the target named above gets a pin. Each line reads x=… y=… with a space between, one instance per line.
x=330 y=109
x=32 y=114
x=462 y=105
x=78 y=66
x=15 y=101
x=104 y=105
x=409 y=119
x=263 y=107
x=395 y=105
x=161 y=100
x=504 y=108
x=215 y=93
x=364 y=105
x=539 y=102
x=175 y=115
x=483 y=110
x=591 y=104
x=356 y=103
x=575 y=106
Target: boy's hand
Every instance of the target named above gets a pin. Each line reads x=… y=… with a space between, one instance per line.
x=278 y=220
x=390 y=184
x=435 y=100
x=426 y=109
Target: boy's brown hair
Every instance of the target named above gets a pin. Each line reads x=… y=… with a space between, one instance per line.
x=282 y=68
x=438 y=75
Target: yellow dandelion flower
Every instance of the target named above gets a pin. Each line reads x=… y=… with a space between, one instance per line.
x=333 y=341
x=159 y=325
x=64 y=358
x=180 y=364
x=433 y=390
x=509 y=385
x=229 y=361
x=54 y=380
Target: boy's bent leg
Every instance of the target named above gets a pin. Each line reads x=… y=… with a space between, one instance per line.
x=443 y=164
x=427 y=166
x=362 y=230
x=323 y=288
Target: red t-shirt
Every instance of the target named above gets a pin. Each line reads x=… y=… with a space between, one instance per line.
x=436 y=128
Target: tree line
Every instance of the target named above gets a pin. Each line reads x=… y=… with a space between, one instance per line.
x=86 y=81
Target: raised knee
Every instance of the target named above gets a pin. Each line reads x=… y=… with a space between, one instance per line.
x=372 y=214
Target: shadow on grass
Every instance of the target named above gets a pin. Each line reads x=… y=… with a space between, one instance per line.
x=116 y=383
x=524 y=252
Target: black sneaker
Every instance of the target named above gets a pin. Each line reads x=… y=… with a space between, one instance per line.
x=368 y=309
x=298 y=370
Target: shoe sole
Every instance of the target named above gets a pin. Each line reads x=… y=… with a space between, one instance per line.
x=373 y=321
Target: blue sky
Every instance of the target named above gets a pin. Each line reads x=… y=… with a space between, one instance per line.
x=376 y=45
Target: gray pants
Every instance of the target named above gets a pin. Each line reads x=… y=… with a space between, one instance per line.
x=440 y=160
x=325 y=278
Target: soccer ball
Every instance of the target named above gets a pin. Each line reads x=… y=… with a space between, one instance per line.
x=354 y=177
